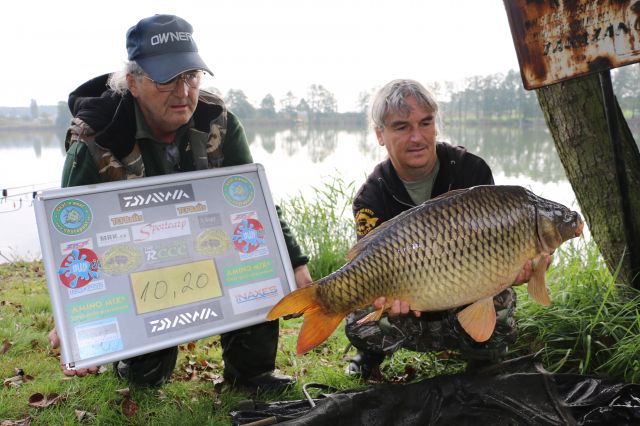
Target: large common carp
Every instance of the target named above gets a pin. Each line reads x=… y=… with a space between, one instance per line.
x=461 y=248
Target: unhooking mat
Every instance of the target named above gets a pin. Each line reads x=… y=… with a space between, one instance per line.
x=498 y=397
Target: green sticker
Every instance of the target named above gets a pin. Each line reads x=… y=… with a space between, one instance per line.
x=96 y=309
x=71 y=217
x=248 y=272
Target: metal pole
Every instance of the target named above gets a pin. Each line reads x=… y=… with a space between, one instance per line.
x=621 y=174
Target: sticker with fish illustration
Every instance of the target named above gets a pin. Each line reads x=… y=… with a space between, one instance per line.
x=79 y=268
x=238 y=191
x=248 y=239
x=71 y=217
x=120 y=259
x=365 y=221
x=212 y=242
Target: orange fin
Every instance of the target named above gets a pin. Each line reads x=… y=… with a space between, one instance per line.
x=296 y=302
x=316 y=328
x=479 y=319
x=318 y=324
x=372 y=316
x=536 y=287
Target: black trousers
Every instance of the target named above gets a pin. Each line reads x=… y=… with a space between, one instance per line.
x=246 y=352
x=433 y=331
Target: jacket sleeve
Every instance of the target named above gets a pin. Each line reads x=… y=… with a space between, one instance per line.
x=471 y=170
x=483 y=174
x=79 y=168
x=235 y=147
x=367 y=211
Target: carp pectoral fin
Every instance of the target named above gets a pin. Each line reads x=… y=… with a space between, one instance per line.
x=372 y=316
x=479 y=319
x=316 y=328
x=536 y=287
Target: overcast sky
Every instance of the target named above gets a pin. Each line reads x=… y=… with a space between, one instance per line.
x=259 y=46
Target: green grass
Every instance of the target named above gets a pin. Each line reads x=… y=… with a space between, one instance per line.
x=323 y=224
x=592 y=327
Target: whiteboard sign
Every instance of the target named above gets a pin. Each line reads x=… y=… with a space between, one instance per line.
x=141 y=265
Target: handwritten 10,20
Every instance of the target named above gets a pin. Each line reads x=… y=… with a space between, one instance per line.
x=177 y=285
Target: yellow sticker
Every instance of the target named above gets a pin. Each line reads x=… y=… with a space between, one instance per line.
x=175 y=286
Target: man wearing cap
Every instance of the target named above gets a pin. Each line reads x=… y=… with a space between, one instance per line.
x=152 y=119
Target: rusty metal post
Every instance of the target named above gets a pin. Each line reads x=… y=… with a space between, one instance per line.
x=621 y=175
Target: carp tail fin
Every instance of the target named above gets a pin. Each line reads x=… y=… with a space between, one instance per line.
x=318 y=325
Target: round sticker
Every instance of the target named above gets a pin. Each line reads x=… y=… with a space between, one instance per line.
x=212 y=242
x=120 y=259
x=79 y=268
x=71 y=217
x=248 y=235
x=238 y=191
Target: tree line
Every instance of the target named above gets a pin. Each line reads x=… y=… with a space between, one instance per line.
x=495 y=97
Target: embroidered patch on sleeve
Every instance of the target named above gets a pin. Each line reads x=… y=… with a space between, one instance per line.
x=365 y=221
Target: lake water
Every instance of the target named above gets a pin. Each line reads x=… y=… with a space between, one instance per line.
x=296 y=160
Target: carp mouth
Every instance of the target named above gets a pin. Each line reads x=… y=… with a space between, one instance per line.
x=571 y=225
x=557 y=225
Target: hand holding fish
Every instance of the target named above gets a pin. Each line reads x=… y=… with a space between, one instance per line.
x=303 y=279
x=398 y=307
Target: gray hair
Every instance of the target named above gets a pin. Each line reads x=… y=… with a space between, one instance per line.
x=391 y=99
x=118 y=80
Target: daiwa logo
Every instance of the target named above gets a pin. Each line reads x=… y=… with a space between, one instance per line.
x=178 y=321
x=155 y=197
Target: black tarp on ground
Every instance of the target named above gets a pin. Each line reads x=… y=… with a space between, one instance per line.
x=534 y=397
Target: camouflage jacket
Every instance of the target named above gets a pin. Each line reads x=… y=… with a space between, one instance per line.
x=384 y=196
x=102 y=147
x=105 y=124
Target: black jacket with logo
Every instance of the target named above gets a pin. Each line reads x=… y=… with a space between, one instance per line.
x=383 y=195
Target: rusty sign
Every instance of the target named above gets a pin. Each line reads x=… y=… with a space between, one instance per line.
x=557 y=40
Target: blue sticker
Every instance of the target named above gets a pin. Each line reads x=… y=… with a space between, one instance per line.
x=98 y=338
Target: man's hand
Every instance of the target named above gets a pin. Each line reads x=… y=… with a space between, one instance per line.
x=525 y=274
x=303 y=279
x=55 y=343
x=302 y=276
x=398 y=307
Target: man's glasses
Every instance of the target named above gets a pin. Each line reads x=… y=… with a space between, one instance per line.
x=192 y=79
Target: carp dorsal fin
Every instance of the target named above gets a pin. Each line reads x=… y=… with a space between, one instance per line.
x=536 y=287
x=446 y=195
x=479 y=319
x=357 y=248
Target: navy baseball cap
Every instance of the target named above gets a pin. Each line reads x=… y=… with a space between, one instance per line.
x=163 y=46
